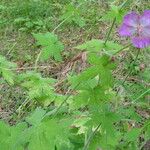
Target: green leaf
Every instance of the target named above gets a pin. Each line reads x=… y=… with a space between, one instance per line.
x=36 y=117
x=111 y=48
x=132 y=135
x=6 y=68
x=73 y=15
x=101 y=114
x=90 y=74
x=51 y=46
x=10 y=136
x=80 y=123
x=105 y=141
x=85 y=76
x=8 y=76
x=93 y=46
x=96 y=45
x=130 y=113
x=38 y=88
x=80 y=100
x=147 y=129
x=114 y=11
x=47 y=135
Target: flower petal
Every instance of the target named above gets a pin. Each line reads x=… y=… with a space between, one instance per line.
x=146 y=31
x=146 y=12
x=141 y=42
x=131 y=19
x=126 y=30
x=145 y=18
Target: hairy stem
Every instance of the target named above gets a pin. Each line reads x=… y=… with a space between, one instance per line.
x=110 y=30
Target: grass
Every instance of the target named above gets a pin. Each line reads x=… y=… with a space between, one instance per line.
x=17 y=42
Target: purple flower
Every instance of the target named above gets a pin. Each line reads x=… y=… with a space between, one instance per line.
x=138 y=28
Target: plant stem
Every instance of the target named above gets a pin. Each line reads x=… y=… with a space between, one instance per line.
x=113 y=23
x=122 y=49
x=130 y=66
x=129 y=71
x=90 y=137
x=64 y=20
x=141 y=95
x=110 y=30
x=61 y=23
x=94 y=132
x=64 y=101
x=37 y=59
